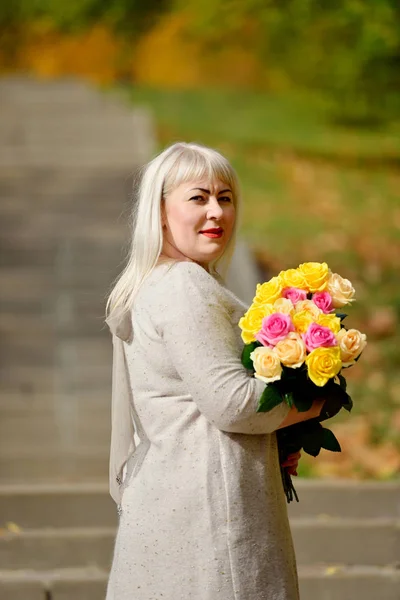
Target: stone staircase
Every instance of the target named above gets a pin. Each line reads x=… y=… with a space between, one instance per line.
x=346 y=535
x=67 y=154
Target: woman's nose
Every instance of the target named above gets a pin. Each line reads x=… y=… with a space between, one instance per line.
x=214 y=209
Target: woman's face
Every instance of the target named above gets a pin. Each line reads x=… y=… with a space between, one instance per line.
x=191 y=209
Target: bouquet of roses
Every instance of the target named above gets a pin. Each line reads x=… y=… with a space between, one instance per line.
x=296 y=342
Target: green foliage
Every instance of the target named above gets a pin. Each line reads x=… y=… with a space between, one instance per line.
x=127 y=16
x=350 y=50
x=247 y=350
x=269 y=398
x=329 y=441
x=313 y=439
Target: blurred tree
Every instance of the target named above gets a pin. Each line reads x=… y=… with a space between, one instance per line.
x=130 y=16
x=348 y=49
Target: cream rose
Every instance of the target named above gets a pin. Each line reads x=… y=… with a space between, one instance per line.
x=291 y=351
x=266 y=364
x=284 y=306
x=351 y=343
x=310 y=307
x=340 y=289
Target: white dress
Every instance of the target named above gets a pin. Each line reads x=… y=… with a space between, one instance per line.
x=203 y=511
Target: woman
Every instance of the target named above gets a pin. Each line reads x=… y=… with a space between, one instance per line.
x=202 y=509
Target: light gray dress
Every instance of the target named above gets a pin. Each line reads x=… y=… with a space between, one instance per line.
x=203 y=512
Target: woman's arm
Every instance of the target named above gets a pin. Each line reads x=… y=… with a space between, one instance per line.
x=188 y=311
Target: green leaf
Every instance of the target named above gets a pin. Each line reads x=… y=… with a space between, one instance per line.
x=289 y=398
x=288 y=374
x=343 y=382
x=301 y=401
x=270 y=398
x=358 y=357
x=312 y=440
x=247 y=350
x=348 y=403
x=329 y=441
x=341 y=316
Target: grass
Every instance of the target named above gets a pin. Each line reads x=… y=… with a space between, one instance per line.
x=254 y=120
x=313 y=191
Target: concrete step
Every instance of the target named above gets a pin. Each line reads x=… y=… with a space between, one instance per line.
x=359 y=582
x=63 y=505
x=346 y=498
x=88 y=583
x=40 y=549
x=49 y=504
x=71 y=124
x=26 y=90
x=42 y=143
x=59 y=468
x=328 y=582
x=350 y=541
x=368 y=542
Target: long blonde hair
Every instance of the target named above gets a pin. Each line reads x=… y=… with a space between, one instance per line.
x=179 y=163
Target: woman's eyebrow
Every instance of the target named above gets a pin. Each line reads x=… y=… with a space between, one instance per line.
x=208 y=191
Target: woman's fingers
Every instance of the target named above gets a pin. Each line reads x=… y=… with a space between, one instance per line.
x=292 y=460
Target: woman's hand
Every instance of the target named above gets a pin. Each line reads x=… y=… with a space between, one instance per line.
x=292 y=462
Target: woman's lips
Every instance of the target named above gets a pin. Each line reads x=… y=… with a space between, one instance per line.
x=212 y=234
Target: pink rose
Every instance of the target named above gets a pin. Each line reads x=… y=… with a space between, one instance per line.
x=318 y=336
x=324 y=301
x=274 y=329
x=294 y=294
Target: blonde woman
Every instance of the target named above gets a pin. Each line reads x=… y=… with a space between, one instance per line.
x=194 y=469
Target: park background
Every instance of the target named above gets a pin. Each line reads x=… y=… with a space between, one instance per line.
x=304 y=100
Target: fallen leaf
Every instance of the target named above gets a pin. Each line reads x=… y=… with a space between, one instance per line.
x=331 y=570
x=13 y=527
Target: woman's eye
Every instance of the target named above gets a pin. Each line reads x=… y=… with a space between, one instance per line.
x=202 y=198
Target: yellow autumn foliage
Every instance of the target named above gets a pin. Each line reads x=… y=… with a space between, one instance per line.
x=94 y=54
x=168 y=55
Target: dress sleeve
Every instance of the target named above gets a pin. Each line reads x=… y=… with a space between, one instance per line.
x=200 y=339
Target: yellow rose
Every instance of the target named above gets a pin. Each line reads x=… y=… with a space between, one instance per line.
x=293 y=278
x=291 y=351
x=267 y=365
x=331 y=321
x=251 y=322
x=351 y=343
x=310 y=307
x=284 y=306
x=268 y=292
x=340 y=289
x=302 y=321
x=323 y=364
x=315 y=274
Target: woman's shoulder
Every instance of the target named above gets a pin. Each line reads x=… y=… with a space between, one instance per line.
x=177 y=273
x=179 y=282
x=176 y=283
